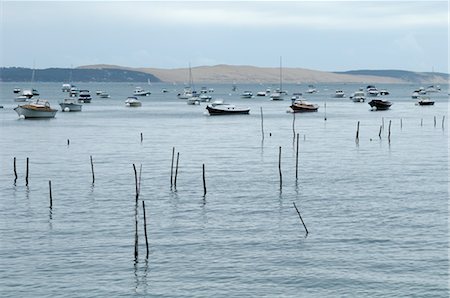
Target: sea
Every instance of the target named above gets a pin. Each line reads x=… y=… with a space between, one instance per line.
x=372 y=220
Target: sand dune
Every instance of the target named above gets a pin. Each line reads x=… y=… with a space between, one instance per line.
x=252 y=74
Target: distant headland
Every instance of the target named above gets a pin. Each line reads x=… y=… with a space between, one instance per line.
x=217 y=74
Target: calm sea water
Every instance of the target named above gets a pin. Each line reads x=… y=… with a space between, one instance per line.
x=377 y=212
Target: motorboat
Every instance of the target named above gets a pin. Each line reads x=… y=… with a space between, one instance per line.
x=28 y=93
x=433 y=88
x=262 y=93
x=300 y=105
x=311 y=89
x=358 y=96
x=193 y=100
x=138 y=91
x=66 y=87
x=187 y=93
x=384 y=92
x=277 y=95
x=221 y=108
x=418 y=93
x=203 y=90
x=98 y=92
x=35 y=92
x=425 y=101
x=21 y=98
x=16 y=90
x=164 y=90
x=205 y=97
x=380 y=104
x=296 y=95
x=73 y=91
x=84 y=96
x=70 y=105
x=38 y=108
x=104 y=94
x=132 y=101
x=247 y=94
x=339 y=94
x=372 y=91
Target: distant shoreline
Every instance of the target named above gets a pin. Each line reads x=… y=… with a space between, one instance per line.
x=227 y=74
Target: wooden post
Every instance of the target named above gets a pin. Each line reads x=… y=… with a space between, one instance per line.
x=379 y=133
x=15 y=171
x=145 y=229
x=389 y=132
x=50 y=193
x=204 y=181
x=325 y=107
x=298 y=212
x=136 y=183
x=357 y=133
x=171 y=167
x=443 y=121
x=142 y=137
x=176 y=170
x=296 y=161
x=401 y=123
x=262 y=123
x=68 y=142
x=293 y=125
x=26 y=175
x=421 y=121
x=136 y=239
x=92 y=170
x=434 y=121
x=279 y=167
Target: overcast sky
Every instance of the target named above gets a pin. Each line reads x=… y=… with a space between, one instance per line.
x=329 y=36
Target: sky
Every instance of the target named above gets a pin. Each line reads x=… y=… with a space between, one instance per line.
x=328 y=36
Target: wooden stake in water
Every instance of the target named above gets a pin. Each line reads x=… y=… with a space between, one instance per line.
x=204 y=181
x=15 y=171
x=50 y=193
x=136 y=183
x=171 y=167
x=296 y=161
x=357 y=133
x=443 y=121
x=401 y=123
x=421 y=121
x=325 y=107
x=26 y=174
x=145 y=229
x=92 y=170
x=279 y=167
x=379 y=133
x=293 y=125
x=142 y=137
x=68 y=142
x=389 y=132
x=176 y=170
x=434 y=121
x=136 y=239
x=262 y=123
x=298 y=212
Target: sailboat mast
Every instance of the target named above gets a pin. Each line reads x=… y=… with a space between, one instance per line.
x=281 y=76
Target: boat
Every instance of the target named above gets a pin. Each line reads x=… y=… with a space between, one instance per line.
x=38 y=108
x=193 y=100
x=339 y=94
x=433 y=88
x=70 y=105
x=73 y=91
x=380 y=104
x=247 y=94
x=104 y=94
x=279 y=93
x=189 y=90
x=21 y=98
x=311 y=89
x=384 y=92
x=16 y=90
x=164 y=90
x=132 y=102
x=221 y=108
x=372 y=91
x=138 y=91
x=263 y=93
x=299 y=104
x=358 y=96
x=66 y=87
x=418 y=93
x=205 y=97
x=84 y=96
x=425 y=101
x=98 y=92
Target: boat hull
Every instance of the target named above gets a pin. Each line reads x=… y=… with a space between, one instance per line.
x=426 y=103
x=35 y=113
x=380 y=104
x=302 y=109
x=70 y=107
x=227 y=111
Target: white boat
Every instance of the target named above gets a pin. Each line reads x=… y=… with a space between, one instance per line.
x=384 y=92
x=38 y=108
x=418 y=93
x=21 y=98
x=247 y=94
x=16 y=90
x=221 y=108
x=70 y=105
x=193 y=101
x=279 y=93
x=372 y=91
x=433 y=88
x=104 y=94
x=425 y=101
x=189 y=90
x=132 y=102
x=138 y=91
x=66 y=87
x=205 y=98
x=358 y=96
x=84 y=96
x=73 y=91
x=339 y=94
x=311 y=89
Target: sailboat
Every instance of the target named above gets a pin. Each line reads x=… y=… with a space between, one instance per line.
x=27 y=93
x=189 y=91
x=279 y=93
